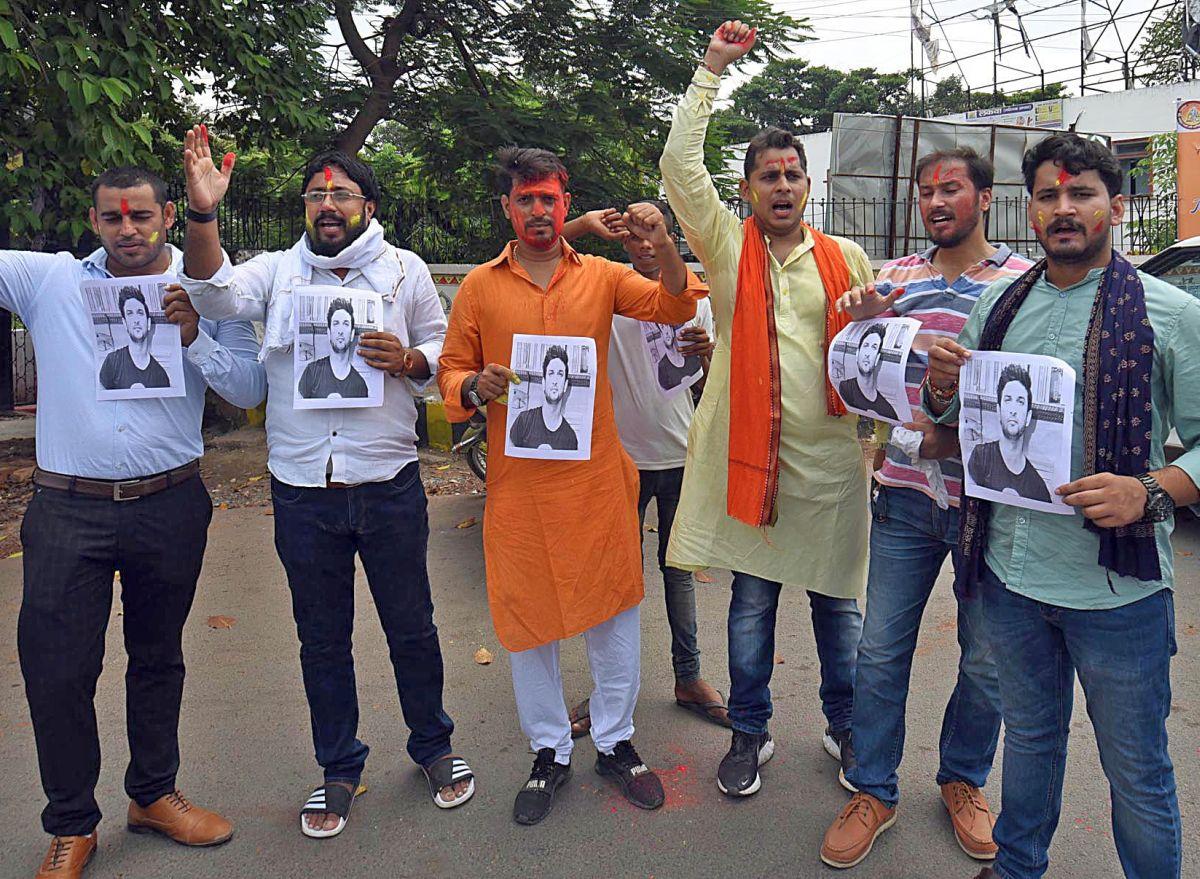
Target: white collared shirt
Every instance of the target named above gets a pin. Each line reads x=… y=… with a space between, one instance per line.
x=307 y=447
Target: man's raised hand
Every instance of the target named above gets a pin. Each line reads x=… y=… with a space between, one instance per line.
x=646 y=222
x=206 y=183
x=606 y=223
x=864 y=302
x=729 y=42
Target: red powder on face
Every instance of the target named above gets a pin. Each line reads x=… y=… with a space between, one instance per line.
x=124 y=207
x=1063 y=176
x=937 y=174
x=537 y=190
x=328 y=177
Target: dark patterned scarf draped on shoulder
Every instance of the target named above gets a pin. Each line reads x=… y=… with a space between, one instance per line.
x=1118 y=360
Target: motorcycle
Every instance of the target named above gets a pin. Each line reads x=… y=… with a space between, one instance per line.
x=474 y=445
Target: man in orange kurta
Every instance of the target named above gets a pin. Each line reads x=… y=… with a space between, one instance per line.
x=561 y=538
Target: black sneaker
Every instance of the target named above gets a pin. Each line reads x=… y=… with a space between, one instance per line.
x=536 y=798
x=840 y=748
x=737 y=776
x=638 y=781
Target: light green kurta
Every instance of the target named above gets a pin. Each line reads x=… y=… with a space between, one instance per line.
x=820 y=539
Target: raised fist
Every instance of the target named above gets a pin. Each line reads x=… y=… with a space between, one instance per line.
x=729 y=42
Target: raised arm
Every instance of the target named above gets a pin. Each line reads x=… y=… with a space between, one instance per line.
x=707 y=224
x=206 y=186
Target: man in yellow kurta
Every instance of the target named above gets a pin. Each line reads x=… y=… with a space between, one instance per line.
x=562 y=544
x=775 y=488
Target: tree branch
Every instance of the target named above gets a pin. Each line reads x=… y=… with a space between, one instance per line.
x=344 y=12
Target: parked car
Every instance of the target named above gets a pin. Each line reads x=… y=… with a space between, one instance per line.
x=1179 y=264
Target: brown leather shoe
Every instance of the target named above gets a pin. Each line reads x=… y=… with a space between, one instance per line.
x=971 y=819
x=67 y=857
x=174 y=817
x=850 y=837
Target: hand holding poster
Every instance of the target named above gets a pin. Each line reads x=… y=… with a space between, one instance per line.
x=329 y=373
x=674 y=372
x=550 y=411
x=866 y=366
x=138 y=352
x=1015 y=428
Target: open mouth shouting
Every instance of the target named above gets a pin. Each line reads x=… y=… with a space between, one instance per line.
x=782 y=208
x=330 y=223
x=940 y=221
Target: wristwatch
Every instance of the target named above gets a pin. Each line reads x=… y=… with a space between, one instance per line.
x=1160 y=506
x=472 y=394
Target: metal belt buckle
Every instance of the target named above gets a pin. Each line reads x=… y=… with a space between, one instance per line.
x=117 y=490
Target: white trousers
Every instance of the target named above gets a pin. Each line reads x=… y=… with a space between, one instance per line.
x=614 y=650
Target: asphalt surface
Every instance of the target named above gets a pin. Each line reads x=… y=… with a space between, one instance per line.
x=247 y=749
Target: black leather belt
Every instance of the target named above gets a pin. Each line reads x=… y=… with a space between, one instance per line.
x=116 y=489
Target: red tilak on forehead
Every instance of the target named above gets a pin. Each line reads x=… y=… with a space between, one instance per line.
x=124 y=207
x=1063 y=176
x=937 y=174
x=328 y=177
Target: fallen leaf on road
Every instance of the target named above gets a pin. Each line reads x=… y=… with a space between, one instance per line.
x=467 y=523
x=443 y=467
x=651 y=529
x=704 y=578
x=222 y=506
x=221 y=622
x=779 y=660
x=483 y=656
x=254 y=479
x=269 y=513
x=15 y=555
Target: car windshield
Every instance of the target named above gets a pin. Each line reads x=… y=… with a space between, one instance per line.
x=1179 y=266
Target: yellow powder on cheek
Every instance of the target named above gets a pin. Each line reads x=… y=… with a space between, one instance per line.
x=356 y=221
x=154 y=238
x=754 y=196
x=308 y=224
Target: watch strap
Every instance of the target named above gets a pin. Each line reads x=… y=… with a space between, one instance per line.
x=198 y=217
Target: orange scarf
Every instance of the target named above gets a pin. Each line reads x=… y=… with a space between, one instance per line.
x=755 y=407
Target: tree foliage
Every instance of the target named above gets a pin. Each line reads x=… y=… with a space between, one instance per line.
x=802 y=98
x=90 y=85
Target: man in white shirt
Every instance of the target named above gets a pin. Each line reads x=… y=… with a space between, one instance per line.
x=653 y=422
x=344 y=481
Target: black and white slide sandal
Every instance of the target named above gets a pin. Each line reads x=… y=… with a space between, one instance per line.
x=447 y=771
x=329 y=799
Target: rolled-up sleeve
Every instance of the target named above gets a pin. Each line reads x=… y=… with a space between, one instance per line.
x=462 y=352
x=1181 y=363
x=642 y=299
x=234 y=292
x=226 y=353
x=426 y=322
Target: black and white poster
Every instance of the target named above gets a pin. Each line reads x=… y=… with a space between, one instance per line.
x=1015 y=428
x=867 y=361
x=139 y=354
x=550 y=409
x=329 y=373
x=672 y=371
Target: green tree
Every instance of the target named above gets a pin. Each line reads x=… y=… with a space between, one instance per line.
x=89 y=84
x=802 y=98
x=1160 y=54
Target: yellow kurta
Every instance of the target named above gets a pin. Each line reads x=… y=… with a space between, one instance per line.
x=562 y=547
x=820 y=539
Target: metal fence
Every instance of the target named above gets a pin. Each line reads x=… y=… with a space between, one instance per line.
x=885 y=228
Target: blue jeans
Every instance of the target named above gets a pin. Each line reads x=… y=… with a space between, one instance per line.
x=1123 y=659
x=910 y=539
x=663 y=487
x=837 y=625
x=317 y=533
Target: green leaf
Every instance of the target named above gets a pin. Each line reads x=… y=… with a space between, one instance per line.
x=91 y=91
x=8 y=35
x=115 y=89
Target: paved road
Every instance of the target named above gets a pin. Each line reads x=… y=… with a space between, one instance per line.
x=247 y=749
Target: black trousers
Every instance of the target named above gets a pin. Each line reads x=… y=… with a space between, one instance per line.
x=72 y=547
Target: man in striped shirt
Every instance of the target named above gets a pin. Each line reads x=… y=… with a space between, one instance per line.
x=913 y=531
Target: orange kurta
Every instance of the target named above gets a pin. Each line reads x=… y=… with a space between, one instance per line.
x=561 y=541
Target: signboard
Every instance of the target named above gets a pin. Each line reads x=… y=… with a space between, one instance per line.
x=1036 y=114
x=1187 y=124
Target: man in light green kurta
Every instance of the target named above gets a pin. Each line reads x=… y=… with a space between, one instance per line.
x=820 y=536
